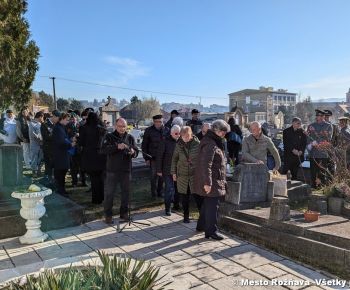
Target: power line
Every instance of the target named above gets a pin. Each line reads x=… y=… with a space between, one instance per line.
x=133 y=89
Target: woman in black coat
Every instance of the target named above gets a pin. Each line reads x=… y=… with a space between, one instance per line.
x=234 y=144
x=61 y=157
x=91 y=161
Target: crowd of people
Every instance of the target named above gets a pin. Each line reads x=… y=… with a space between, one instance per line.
x=186 y=160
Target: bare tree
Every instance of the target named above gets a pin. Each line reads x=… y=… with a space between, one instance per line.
x=305 y=110
x=144 y=109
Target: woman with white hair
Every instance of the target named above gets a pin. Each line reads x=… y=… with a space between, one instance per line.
x=178 y=121
x=210 y=177
x=163 y=163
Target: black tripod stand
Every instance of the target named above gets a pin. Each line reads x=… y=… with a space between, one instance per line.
x=130 y=220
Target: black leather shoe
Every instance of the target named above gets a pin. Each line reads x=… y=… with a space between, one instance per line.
x=199 y=229
x=214 y=237
x=186 y=220
x=124 y=216
x=109 y=220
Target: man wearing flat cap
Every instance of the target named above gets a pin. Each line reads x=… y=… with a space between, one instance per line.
x=344 y=139
x=294 y=141
x=173 y=114
x=152 y=138
x=195 y=123
x=335 y=134
x=319 y=136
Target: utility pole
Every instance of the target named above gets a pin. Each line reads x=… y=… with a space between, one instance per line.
x=54 y=91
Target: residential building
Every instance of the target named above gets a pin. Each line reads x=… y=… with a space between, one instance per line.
x=261 y=104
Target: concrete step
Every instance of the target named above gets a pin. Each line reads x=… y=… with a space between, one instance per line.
x=293 y=183
x=330 y=256
x=331 y=229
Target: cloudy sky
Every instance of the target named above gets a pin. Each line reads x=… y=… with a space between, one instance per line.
x=201 y=48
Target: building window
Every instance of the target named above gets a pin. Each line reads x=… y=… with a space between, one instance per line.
x=275 y=98
x=280 y=98
x=293 y=99
x=288 y=99
x=284 y=98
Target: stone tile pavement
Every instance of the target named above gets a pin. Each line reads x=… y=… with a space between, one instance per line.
x=185 y=258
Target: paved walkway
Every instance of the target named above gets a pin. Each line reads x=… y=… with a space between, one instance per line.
x=185 y=257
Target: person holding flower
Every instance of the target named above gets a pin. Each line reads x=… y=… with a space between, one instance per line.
x=319 y=142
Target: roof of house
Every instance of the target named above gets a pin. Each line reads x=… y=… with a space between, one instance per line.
x=345 y=107
x=254 y=91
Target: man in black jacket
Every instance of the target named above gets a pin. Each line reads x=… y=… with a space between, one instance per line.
x=173 y=114
x=152 y=137
x=120 y=148
x=164 y=159
x=294 y=142
x=195 y=123
x=46 y=132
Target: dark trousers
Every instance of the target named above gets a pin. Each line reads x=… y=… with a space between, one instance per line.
x=75 y=169
x=60 y=175
x=176 y=197
x=292 y=164
x=185 y=200
x=318 y=168
x=208 y=218
x=169 y=192
x=97 y=186
x=112 y=180
x=48 y=165
x=156 y=181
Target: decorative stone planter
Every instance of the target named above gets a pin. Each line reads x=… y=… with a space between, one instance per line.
x=335 y=205
x=32 y=210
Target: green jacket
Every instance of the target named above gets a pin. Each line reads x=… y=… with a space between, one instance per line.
x=183 y=164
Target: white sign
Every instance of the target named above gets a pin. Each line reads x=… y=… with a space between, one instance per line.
x=247 y=99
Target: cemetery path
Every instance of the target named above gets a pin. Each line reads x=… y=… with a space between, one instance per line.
x=185 y=258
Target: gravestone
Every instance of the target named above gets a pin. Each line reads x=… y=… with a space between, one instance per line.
x=250 y=184
x=11 y=169
x=109 y=112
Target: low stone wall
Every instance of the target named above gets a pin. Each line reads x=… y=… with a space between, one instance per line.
x=332 y=258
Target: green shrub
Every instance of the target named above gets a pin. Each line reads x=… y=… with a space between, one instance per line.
x=115 y=273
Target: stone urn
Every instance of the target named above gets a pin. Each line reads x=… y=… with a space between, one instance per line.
x=335 y=205
x=32 y=209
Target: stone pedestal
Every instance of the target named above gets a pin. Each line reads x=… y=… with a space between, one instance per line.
x=318 y=203
x=11 y=169
x=335 y=205
x=250 y=184
x=280 y=210
x=32 y=209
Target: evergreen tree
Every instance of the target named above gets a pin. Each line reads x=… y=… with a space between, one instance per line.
x=46 y=100
x=76 y=105
x=62 y=105
x=18 y=55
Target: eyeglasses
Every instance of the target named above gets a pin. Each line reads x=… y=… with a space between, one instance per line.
x=176 y=134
